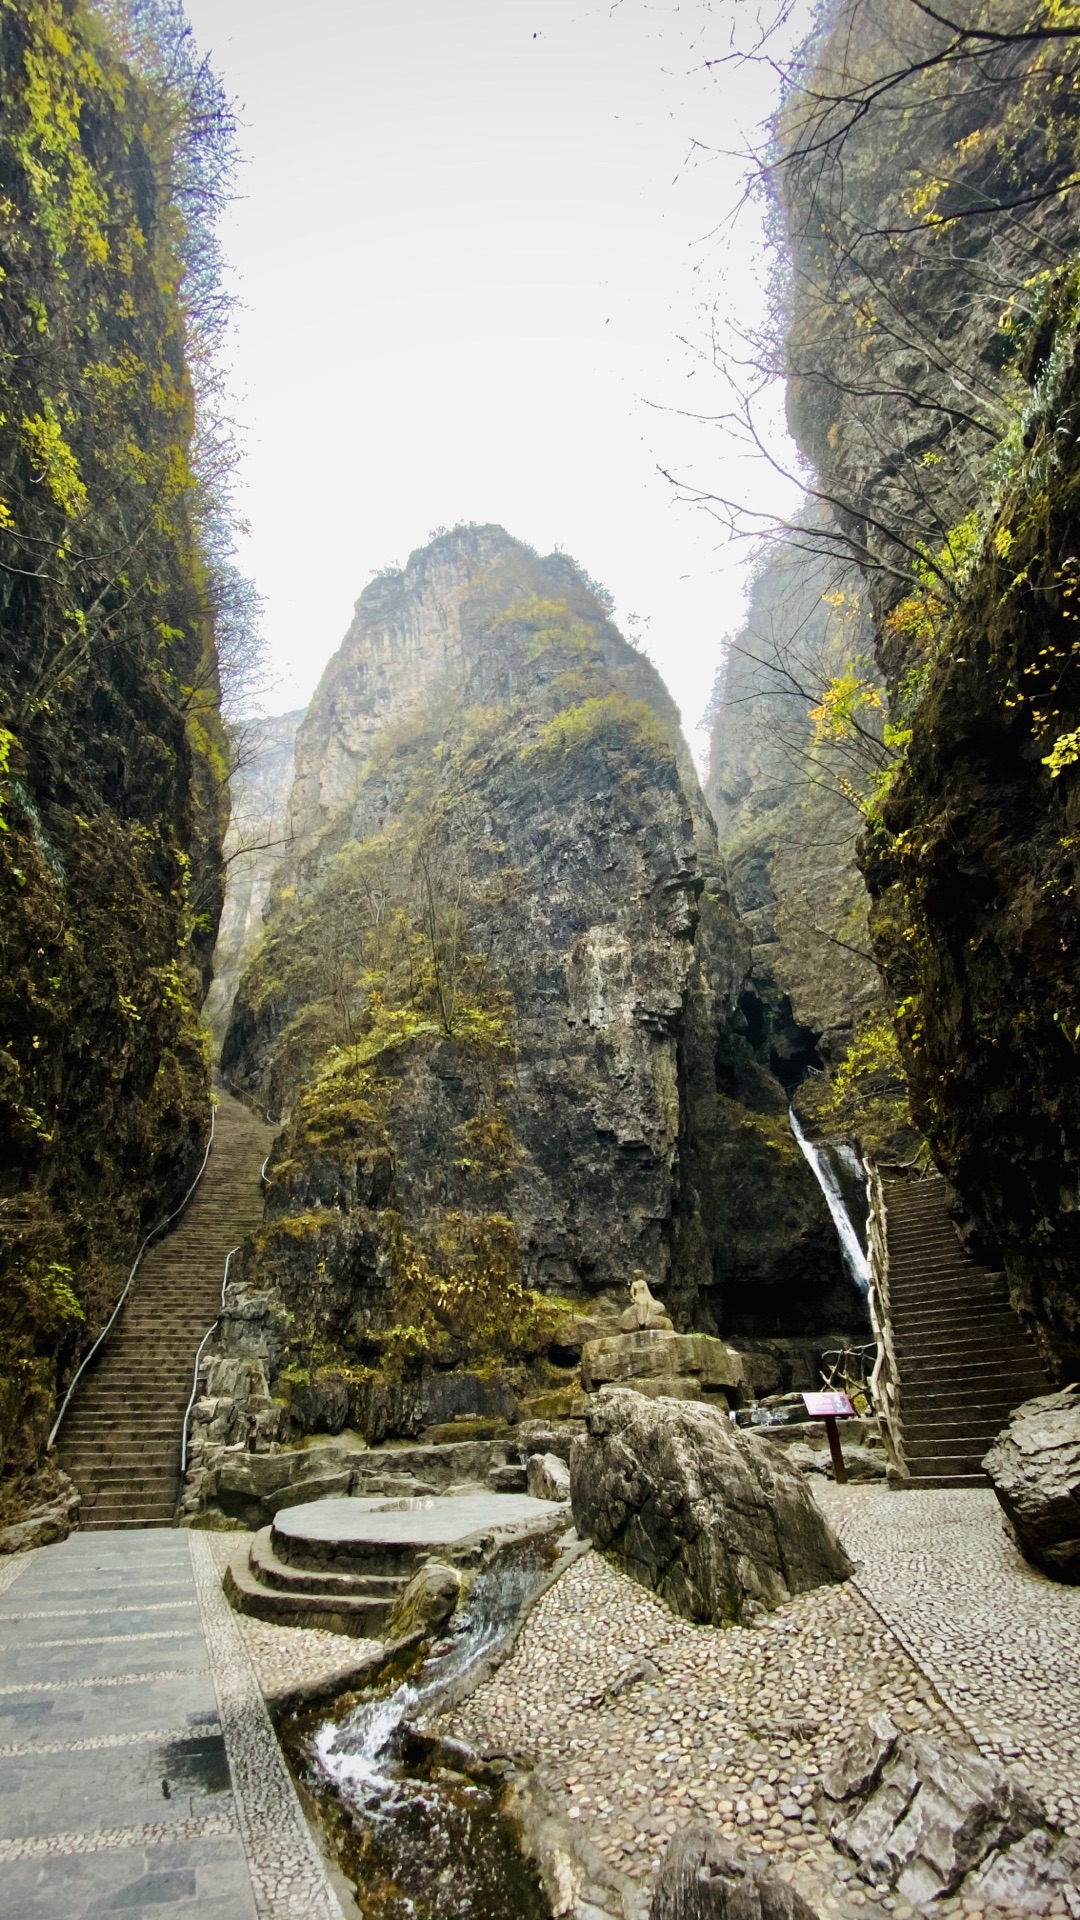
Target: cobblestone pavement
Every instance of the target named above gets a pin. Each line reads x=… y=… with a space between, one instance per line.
x=998 y=1639
x=737 y=1726
x=138 y=1766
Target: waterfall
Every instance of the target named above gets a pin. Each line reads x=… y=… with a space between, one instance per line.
x=822 y=1160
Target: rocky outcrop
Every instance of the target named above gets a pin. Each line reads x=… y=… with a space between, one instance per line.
x=256 y=843
x=787 y=827
x=935 y=389
x=703 y=1878
x=427 y=1602
x=547 y=1477
x=693 y=1366
x=930 y=1822
x=46 y=1524
x=714 y=1522
x=113 y=760
x=1034 y=1468
x=496 y=997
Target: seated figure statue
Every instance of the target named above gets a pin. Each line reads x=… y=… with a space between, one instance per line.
x=644 y=1311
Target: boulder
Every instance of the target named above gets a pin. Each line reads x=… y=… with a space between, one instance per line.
x=546 y=1436
x=917 y=1815
x=862 y=1463
x=718 y=1525
x=548 y=1477
x=47 y=1524
x=1034 y=1467
x=708 y=1365
x=427 y=1602
x=702 y=1878
x=509 y=1479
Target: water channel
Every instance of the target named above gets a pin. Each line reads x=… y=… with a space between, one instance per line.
x=418 y=1838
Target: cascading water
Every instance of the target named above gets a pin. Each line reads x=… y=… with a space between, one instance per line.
x=426 y=1843
x=830 y=1162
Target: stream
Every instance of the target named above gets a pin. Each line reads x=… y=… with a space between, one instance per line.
x=420 y=1840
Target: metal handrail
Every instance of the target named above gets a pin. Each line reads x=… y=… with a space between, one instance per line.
x=195 y=1376
x=107 y=1328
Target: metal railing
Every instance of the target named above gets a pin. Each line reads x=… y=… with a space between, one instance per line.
x=198 y=1361
x=107 y=1328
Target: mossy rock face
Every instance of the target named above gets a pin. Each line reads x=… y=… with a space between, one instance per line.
x=975 y=871
x=497 y=975
x=113 y=765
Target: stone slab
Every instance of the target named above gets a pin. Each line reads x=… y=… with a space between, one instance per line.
x=38 y=1625
x=205 y=1877
x=428 y=1523
x=92 y=1660
x=139 y=1772
x=115 y=1786
x=158 y=1701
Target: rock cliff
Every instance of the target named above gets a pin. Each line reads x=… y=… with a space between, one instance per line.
x=112 y=755
x=786 y=803
x=932 y=343
x=496 y=999
x=257 y=840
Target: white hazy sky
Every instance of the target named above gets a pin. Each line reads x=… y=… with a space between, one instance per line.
x=469 y=238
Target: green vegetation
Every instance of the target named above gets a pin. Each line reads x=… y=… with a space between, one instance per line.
x=613 y=721
x=112 y=751
x=865 y=1096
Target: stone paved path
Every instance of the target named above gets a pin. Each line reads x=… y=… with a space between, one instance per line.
x=944 y=1626
x=999 y=1641
x=139 y=1772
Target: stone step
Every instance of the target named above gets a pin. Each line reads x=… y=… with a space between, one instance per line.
x=360 y=1615
x=121 y=1439
x=926 y=1289
x=969 y=1442
x=118 y=1524
x=998 y=1331
x=130 y=1509
x=926 y=1482
x=271 y=1571
x=996 y=1335
x=979 y=1370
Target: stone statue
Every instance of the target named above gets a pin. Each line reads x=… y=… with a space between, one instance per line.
x=644 y=1311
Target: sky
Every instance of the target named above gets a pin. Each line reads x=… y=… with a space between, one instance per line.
x=480 y=247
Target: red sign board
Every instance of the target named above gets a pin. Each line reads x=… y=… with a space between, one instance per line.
x=820 y=1406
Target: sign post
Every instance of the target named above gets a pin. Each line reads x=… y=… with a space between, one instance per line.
x=831 y=1407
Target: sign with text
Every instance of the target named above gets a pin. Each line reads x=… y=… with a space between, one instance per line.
x=824 y=1406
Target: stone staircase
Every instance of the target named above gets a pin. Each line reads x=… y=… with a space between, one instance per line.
x=120 y=1438
x=964 y=1360
x=342 y=1564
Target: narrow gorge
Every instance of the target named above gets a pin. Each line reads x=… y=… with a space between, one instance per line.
x=539 y=1264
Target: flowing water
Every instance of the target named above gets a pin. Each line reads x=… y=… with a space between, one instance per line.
x=420 y=1840
x=840 y=1175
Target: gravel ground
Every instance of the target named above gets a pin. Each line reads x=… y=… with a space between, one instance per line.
x=736 y=1726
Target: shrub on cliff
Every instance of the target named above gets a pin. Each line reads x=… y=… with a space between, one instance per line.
x=113 y=764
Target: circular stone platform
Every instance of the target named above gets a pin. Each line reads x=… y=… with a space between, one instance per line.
x=392 y=1535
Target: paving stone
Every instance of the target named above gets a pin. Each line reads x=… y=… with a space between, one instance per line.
x=945 y=1627
x=138 y=1767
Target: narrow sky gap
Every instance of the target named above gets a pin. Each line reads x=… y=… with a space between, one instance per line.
x=468 y=241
